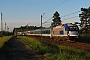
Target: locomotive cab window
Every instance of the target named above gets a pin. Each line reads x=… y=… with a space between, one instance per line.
x=73 y=28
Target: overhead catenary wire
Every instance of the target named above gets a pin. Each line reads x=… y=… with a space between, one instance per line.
x=52 y=9
x=61 y=16
x=57 y=6
x=64 y=16
x=64 y=19
x=47 y=24
x=70 y=14
x=47 y=20
x=70 y=18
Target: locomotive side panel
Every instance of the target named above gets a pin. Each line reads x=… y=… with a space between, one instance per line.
x=59 y=30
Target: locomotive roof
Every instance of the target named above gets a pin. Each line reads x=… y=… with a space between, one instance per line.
x=63 y=25
x=70 y=24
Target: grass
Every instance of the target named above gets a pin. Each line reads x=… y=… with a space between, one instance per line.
x=3 y=40
x=56 y=52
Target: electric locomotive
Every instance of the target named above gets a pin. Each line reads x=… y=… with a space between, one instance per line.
x=70 y=30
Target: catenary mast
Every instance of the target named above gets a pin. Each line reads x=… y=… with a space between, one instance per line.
x=1 y=23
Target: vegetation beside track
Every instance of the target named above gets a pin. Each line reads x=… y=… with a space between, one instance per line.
x=3 y=40
x=56 y=52
x=84 y=39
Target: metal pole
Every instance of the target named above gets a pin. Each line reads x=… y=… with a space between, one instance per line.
x=27 y=32
x=5 y=26
x=51 y=30
x=1 y=23
x=27 y=27
x=41 y=27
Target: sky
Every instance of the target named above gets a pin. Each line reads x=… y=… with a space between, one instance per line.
x=17 y=13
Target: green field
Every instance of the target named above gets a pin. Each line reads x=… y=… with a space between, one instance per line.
x=3 y=40
x=56 y=52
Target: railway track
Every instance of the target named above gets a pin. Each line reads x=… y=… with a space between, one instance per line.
x=78 y=45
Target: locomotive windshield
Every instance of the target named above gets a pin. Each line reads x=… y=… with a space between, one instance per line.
x=73 y=28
